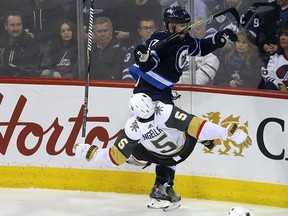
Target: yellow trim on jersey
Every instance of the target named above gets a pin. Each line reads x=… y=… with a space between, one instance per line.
x=198 y=187
x=195 y=125
x=116 y=156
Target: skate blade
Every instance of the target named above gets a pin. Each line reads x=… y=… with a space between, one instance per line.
x=172 y=206
x=158 y=204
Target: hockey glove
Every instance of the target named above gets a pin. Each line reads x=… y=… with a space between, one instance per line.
x=85 y=151
x=141 y=54
x=221 y=37
x=143 y=58
x=208 y=143
x=238 y=136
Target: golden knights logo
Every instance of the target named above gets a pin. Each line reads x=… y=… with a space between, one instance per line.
x=228 y=146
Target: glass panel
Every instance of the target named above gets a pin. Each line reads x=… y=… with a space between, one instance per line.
x=48 y=39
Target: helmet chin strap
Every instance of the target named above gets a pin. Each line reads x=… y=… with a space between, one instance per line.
x=173 y=27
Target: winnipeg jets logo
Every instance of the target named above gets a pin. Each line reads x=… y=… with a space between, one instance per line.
x=181 y=56
x=64 y=62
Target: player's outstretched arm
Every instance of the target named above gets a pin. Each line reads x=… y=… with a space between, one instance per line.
x=85 y=151
x=93 y=154
x=211 y=131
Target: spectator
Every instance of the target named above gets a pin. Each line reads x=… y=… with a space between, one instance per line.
x=240 y=65
x=107 y=52
x=200 y=8
x=267 y=28
x=126 y=14
x=226 y=20
x=165 y=3
x=63 y=52
x=146 y=27
x=276 y=73
x=4 y=7
x=205 y=66
x=19 y=53
x=100 y=7
x=40 y=18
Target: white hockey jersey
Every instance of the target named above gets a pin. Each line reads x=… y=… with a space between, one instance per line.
x=277 y=70
x=165 y=133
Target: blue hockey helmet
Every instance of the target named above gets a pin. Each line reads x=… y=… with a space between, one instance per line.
x=176 y=14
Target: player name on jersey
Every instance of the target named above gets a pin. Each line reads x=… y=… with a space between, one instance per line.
x=152 y=133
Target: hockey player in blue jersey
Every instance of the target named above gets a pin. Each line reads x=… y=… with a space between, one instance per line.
x=157 y=70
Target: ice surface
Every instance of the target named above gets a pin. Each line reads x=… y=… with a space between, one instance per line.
x=41 y=202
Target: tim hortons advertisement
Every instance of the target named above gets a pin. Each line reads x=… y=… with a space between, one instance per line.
x=39 y=125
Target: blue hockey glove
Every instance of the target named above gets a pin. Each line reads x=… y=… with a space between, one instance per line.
x=223 y=36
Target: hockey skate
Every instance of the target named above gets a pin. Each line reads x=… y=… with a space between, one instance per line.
x=164 y=197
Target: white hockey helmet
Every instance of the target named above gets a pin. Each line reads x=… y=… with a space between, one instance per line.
x=240 y=211
x=141 y=105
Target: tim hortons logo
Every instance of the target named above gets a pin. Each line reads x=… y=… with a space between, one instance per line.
x=53 y=131
x=221 y=146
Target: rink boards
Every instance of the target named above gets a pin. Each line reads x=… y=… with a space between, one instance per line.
x=40 y=123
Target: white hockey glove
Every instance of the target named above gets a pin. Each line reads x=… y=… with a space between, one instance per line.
x=238 y=136
x=85 y=151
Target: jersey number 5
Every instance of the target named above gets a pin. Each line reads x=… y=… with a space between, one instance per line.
x=163 y=145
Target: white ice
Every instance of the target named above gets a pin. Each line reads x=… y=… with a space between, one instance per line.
x=42 y=202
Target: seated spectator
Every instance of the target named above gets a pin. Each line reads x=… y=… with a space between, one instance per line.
x=276 y=73
x=40 y=18
x=240 y=65
x=205 y=66
x=165 y=3
x=19 y=53
x=4 y=7
x=267 y=26
x=227 y=20
x=200 y=8
x=146 y=27
x=107 y=52
x=126 y=14
x=63 y=53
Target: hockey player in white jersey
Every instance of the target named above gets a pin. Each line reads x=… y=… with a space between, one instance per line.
x=161 y=134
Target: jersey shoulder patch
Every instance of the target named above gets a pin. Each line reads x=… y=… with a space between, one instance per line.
x=132 y=129
x=163 y=112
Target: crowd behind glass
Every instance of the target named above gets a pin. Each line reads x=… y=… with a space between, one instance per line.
x=48 y=39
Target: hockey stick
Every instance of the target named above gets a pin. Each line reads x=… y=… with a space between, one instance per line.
x=89 y=48
x=232 y=10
